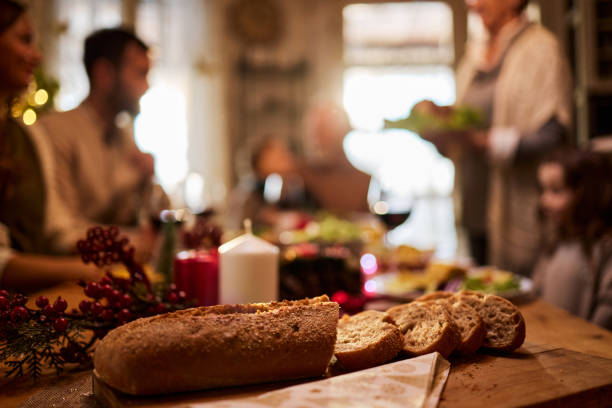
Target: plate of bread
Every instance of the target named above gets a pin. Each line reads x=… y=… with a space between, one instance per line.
x=235 y=345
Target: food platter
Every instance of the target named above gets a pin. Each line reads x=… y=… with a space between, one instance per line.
x=398 y=286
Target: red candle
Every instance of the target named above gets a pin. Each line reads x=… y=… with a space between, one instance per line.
x=197 y=273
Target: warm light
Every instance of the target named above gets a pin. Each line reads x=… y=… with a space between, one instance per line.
x=381 y=207
x=161 y=128
x=370 y=286
x=368 y=264
x=29 y=117
x=41 y=97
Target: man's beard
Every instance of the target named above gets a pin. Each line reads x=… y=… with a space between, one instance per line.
x=123 y=102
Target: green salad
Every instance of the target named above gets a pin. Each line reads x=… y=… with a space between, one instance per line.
x=491 y=281
x=460 y=118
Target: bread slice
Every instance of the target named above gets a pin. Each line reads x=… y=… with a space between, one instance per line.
x=219 y=346
x=427 y=327
x=367 y=339
x=503 y=321
x=471 y=327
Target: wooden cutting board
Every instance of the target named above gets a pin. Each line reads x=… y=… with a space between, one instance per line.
x=533 y=375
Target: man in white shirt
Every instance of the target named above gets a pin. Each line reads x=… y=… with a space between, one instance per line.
x=100 y=174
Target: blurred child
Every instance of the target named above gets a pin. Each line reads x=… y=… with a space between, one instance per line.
x=575 y=207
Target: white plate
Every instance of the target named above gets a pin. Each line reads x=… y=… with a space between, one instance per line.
x=382 y=285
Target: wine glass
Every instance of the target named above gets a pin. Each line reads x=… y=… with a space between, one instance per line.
x=392 y=207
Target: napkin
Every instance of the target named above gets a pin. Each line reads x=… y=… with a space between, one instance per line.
x=416 y=382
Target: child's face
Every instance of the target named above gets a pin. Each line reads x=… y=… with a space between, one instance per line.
x=556 y=199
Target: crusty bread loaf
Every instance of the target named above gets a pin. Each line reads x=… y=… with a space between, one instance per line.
x=471 y=326
x=367 y=339
x=427 y=327
x=503 y=321
x=219 y=346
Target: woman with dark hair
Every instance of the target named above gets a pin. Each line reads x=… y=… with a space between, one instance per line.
x=25 y=194
x=575 y=209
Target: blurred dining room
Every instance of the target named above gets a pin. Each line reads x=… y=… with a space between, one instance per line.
x=190 y=188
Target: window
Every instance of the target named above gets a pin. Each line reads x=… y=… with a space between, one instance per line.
x=78 y=19
x=397 y=54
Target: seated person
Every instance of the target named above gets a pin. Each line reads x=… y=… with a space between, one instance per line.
x=26 y=233
x=575 y=271
x=101 y=175
x=329 y=176
x=256 y=199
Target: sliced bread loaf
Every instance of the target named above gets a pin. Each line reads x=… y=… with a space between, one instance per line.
x=367 y=339
x=504 y=324
x=427 y=327
x=467 y=319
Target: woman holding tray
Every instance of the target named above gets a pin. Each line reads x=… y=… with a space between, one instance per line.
x=520 y=81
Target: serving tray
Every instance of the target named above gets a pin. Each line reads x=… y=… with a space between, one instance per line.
x=533 y=375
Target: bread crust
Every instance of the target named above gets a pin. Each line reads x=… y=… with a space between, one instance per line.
x=438 y=295
x=367 y=352
x=219 y=346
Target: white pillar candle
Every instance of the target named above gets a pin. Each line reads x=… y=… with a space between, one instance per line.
x=248 y=270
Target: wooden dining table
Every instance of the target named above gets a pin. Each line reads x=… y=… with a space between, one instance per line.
x=564 y=361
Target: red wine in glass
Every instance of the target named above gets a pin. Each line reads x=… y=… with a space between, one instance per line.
x=394 y=219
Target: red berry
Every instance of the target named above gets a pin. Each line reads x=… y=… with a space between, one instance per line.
x=19 y=314
x=19 y=300
x=106 y=280
x=42 y=301
x=96 y=308
x=49 y=311
x=114 y=295
x=107 y=291
x=124 y=315
x=126 y=300
x=182 y=295
x=60 y=305
x=85 y=306
x=160 y=308
x=4 y=293
x=172 y=287
x=4 y=302
x=108 y=315
x=60 y=324
x=173 y=298
x=93 y=290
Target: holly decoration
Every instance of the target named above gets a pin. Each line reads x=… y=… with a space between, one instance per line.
x=53 y=335
x=205 y=233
